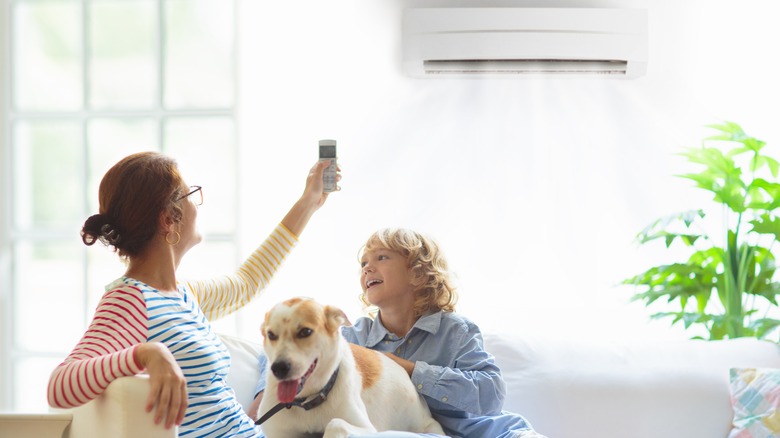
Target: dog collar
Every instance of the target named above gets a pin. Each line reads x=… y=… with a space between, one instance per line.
x=301 y=402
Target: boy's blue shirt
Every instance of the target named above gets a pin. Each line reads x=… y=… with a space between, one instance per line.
x=459 y=379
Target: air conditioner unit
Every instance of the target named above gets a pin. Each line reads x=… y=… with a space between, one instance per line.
x=506 y=42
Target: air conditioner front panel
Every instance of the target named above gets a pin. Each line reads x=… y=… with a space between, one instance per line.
x=514 y=39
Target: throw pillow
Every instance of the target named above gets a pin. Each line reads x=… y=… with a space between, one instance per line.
x=755 y=398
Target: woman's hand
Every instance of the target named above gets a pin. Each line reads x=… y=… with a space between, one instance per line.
x=310 y=201
x=314 y=185
x=168 y=394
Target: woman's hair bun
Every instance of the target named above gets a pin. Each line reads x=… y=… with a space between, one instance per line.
x=99 y=227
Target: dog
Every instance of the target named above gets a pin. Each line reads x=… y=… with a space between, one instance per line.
x=349 y=389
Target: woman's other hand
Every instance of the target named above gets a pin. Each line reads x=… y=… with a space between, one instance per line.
x=168 y=393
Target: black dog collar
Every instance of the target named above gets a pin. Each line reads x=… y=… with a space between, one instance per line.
x=300 y=402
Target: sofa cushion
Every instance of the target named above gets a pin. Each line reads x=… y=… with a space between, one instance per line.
x=244 y=367
x=755 y=397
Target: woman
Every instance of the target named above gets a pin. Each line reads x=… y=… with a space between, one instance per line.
x=149 y=321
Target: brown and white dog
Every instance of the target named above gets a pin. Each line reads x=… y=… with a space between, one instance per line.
x=370 y=393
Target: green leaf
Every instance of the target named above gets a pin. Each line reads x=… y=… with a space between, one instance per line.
x=767 y=224
x=730 y=130
x=672 y=282
x=753 y=144
x=773 y=165
x=764 y=326
x=770 y=189
x=659 y=228
x=717 y=163
x=769 y=292
x=721 y=177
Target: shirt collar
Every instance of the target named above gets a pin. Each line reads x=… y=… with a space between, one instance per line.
x=429 y=323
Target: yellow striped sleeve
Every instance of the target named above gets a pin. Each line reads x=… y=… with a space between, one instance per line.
x=221 y=296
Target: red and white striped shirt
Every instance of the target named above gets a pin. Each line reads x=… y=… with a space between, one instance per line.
x=131 y=313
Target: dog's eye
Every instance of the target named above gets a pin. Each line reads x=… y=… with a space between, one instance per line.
x=305 y=332
x=272 y=336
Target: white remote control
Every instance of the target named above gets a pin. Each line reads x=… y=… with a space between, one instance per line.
x=328 y=152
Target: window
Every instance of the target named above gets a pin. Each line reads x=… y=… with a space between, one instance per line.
x=89 y=82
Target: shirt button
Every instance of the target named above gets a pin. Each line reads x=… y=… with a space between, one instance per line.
x=444 y=399
x=419 y=386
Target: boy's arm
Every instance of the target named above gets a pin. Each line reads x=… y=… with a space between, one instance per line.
x=471 y=383
x=468 y=381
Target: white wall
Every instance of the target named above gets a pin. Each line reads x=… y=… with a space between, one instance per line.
x=534 y=188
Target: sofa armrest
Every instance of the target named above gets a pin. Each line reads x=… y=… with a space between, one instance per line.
x=119 y=412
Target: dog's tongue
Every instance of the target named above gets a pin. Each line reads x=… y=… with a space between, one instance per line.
x=287 y=390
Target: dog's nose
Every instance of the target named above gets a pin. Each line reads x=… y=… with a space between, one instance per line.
x=281 y=369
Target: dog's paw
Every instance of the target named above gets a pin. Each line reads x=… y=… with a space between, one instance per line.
x=338 y=428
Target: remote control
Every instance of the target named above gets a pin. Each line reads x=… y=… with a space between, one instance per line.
x=328 y=152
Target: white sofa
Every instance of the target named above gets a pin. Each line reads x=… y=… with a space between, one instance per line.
x=567 y=389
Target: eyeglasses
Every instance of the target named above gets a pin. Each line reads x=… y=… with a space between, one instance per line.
x=197 y=195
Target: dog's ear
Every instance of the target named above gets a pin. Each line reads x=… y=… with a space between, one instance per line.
x=266 y=321
x=335 y=318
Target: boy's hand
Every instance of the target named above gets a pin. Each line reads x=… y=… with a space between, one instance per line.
x=405 y=364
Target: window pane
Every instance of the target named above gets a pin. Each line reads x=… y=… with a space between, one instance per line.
x=199 y=53
x=48 y=174
x=47 y=55
x=206 y=151
x=31 y=379
x=123 y=63
x=49 y=293
x=110 y=140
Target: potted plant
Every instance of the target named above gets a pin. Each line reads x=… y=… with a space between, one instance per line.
x=727 y=284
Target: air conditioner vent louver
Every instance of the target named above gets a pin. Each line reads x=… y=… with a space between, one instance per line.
x=525 y=66
x=506 y=42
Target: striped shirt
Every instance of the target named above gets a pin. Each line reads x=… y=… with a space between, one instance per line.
x=131 y=313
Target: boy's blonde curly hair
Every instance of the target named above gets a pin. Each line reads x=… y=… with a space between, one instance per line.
x=425 y=258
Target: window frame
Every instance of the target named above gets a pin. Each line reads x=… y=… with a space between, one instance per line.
x=5 y=209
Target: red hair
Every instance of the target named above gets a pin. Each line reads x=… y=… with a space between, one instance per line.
x=133 y=195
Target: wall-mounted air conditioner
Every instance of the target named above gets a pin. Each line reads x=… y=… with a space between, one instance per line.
x=505 y=42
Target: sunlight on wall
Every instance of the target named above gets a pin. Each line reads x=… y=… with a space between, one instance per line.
x=534 y=188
